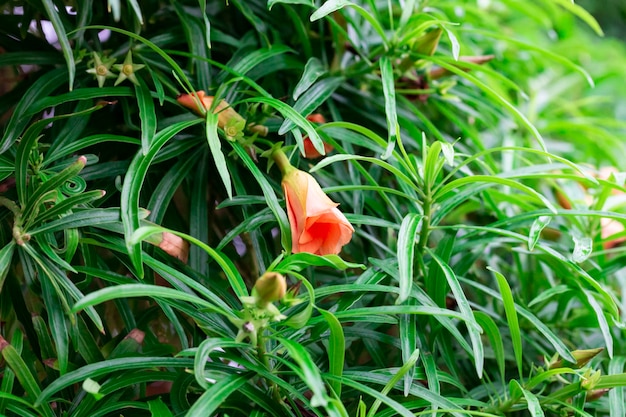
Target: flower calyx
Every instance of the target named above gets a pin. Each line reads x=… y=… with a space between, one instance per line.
x=101 y=68
x=127 y=70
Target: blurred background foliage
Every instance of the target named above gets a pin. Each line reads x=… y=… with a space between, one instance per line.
x=486 y=265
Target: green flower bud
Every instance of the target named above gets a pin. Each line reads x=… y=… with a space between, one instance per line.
x=582 y=357
x=270 y=287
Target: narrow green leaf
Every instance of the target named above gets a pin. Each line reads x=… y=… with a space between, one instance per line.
x=95 y=370
x=312 y=71
x=92 y=387
x=59 y=30
x=549 y=294
x=203 y=352
x=243 y=64
x=216 y=151
x=532 y=402
x=270 y=197
x=217 y=394
x=234 y=278
x=389 y=91
x=436 y=285
x=473 y=328
x=271 y=3
x=398 y=408
x=299 y=320
x=336 y=349
x=336 y=158
x=313 y=98
x=299 y=261
x=51 y=185
x=8 y=377
x=583 y=14
x=328 y=7
x=559 y=346
x=406 y=254
x=63 y=207
x=24 y=376
x=583 y=246
x=6 y=256
x=495 y=338
x=289 y=113
x=517 y=114
x=180 y=74
x=492 y=180
x=159 y=409
x=456 y=48
x=207 y=23
x=602 y=321
x=135 y=6
x=80 y=218
x=147 y=114
x=410 y=363
x=535 y=230
x=68 y=149
x=63 y=286
x=133 y=182
x=137 y=290
x=309 y=372
x=44 y=86
x=616 y=395
x=408 y=343
x=511 y=318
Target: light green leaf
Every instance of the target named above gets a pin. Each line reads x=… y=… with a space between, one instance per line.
x=133 y=182
x=216 y=151
x=271 y=3
x=146 y=114
x=616 y=395
x=535 y=230
x=59 y=30
x=389 y=91
x=203 y=352
x=336 y=349
x=308 y=371
x=312 y=71
x=473 y=328
x=511 y=318
x=583 y=246
x=406 y=254
x=6 y=255
x=92 y=387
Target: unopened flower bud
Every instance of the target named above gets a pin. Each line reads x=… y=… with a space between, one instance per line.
x=271 y=286
x=428 y=42
x=227 y=118
x=582 y=357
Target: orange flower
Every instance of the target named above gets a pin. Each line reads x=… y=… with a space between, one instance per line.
x=309 y=150
x=317 y=226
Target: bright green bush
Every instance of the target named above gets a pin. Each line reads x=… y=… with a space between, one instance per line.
x=485 y=273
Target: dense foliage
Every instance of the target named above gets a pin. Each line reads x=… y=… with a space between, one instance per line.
x=150 y=264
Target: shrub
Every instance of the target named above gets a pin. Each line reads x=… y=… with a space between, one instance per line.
x=156 y=262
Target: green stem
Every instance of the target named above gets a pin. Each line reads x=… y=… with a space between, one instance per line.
x=282 y=161
x=425 y=230
x=264 y=358
x=18 y=234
